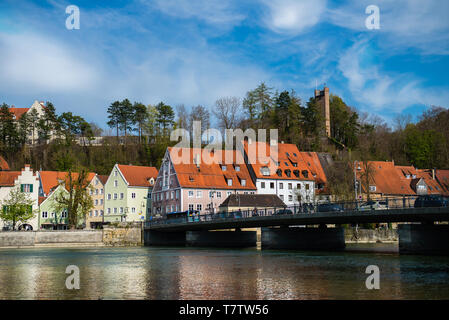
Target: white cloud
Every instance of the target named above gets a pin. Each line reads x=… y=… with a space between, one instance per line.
x=377 y=91
x=39 y=63
x=403 y=23
x=292 y=16
x=212 y=11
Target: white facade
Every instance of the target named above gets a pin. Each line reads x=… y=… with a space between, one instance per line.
x=288 y=190
x=28 y=181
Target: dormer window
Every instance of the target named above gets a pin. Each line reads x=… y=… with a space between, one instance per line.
x=296 y=173
x=151 y=181
x=279 y=172
x=265 y=171
x=243 y=182
x=372 y=188
x=286 y=163
x=230 y=182
x=288 y=173
x=223 y=168
x=237 y=168
x=287 y=154
x=305 y=173
x=191 y=179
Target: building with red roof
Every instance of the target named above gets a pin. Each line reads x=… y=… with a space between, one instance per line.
x=199 y=179
x=128 y=193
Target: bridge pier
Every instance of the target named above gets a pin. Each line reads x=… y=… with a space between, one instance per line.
x=222 y=239
x=321 y=238
x=423 y=239
x=161 y=238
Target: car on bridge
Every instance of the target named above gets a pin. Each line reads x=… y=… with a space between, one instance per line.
x=430 y=201
x=283 y=211
x=373 y=205
x=330 y=207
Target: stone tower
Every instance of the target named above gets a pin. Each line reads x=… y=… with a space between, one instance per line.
x=322 y=98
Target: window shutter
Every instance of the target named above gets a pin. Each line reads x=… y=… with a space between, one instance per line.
x=21 y=188
x=31 y=188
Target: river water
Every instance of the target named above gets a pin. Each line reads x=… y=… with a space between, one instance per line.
x=187 y=273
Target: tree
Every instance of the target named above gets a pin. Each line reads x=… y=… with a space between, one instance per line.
x=33 y=118
x=344 y=122
x=8 y=133
x=150 y=124
x=77 y=201
x=48 y=123
x=114 y=116
x=227 y=112
x=165 y=117
x=140 y=116
x=18 y=207
x=199 y=113
x=126 y=116
x=71 y=126
x=367 y=177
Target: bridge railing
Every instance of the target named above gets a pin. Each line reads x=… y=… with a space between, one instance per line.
x=336 y=207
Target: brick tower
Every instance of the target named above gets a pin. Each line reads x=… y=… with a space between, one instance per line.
x=322 y=98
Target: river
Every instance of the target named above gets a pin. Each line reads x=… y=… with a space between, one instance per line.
x=187 y=273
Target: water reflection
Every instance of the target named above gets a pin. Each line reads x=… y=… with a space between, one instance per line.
x=183 y=273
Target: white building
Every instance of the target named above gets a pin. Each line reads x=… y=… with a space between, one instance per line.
x=26 y=181
x=282 y=170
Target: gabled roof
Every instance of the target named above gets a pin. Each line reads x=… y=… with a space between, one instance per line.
x=213 y=169
x=433 y=185
x=7 y=178
x=3 y=164
x=103 y=178
x=18 y=112
x=138 y=176
x=262 y=156
x=253 y=200
x=387 y=178
x=51 y=179
x=443 y=178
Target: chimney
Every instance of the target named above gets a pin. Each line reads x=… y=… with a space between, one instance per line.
x=433 y=174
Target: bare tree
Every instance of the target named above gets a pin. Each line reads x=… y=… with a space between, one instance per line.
x=227 y=111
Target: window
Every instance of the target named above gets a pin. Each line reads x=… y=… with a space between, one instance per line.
x=115 y=196
x=96 y=182
x=223 y=168
x=109 y=210
x=115 y=173
x=96 y=202
x=133 y=210
x=199 y=207
x=101 y=201
x=121 y=210
x=122 y=195
x=96 y=213
x=64 y=214
x=162 y=196
x=282 y=197
x=101 y=213
x=229 y=193
x=109 y=196
x=290 y=186
x=177 y=194
x=90 y=213
x=172 y=195
x=372 y=188
x=298 y=186
x=281 y=186
x=290 y=197
x=307 y=186
x=262 y=185
x=199 y=194
x=265 y=171
x=211 y=194
x=218 y=194
x=101 y=191
x=96 y=191
x=44 y=214
x=229 y=182
x=243 y=183
x=190 y=194
x=237 y=168
x=133 y=195
x=286 y=163
x=190 y=207
x=271 y=185
x=26 y=188
x=115 y=210
x=115 y=183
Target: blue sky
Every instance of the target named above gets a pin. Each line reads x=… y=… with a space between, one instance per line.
x=195 y=51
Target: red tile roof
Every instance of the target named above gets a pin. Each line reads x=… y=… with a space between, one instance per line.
x=210 y=174
x=261 y=155
x=443 y=178
x=138 y=176
x=41 y=199
x=18 y=112
x=103 y=178
x=51 y=179
x=3 y=164
x=387 y=178
x=7 y=178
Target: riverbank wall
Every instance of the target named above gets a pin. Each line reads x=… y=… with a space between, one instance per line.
x=107 y=237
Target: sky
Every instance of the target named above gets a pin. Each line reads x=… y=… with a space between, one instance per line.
x=195 y=51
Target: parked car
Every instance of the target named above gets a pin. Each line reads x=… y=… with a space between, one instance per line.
x=284 y=211
x=329 y=207
x=431 y=201
x=373 y=205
